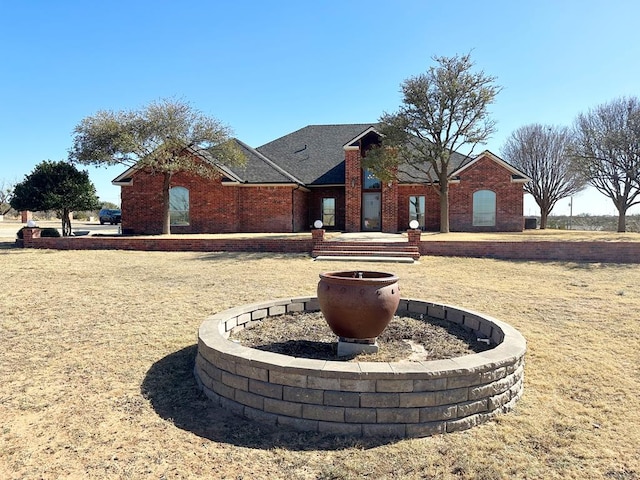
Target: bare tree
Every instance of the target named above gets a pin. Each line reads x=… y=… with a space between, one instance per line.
x=443 y=111
x=542 y=152
x=6 y=194
x=607 y=152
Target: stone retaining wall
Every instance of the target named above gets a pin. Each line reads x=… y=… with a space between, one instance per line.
x=399 y=399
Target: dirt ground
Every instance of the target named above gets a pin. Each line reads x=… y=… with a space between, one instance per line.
x=97 y=370
x=406 y=339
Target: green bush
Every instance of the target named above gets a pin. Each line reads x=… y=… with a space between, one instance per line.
x=19 y=233
x=49 y=232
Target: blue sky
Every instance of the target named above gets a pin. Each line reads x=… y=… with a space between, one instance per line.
x=267 y=68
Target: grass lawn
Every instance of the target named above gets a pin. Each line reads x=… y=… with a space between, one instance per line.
x=97 y=352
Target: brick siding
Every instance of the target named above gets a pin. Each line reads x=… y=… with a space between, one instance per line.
x=214 y=207
x=485 y=174
x=353 y=190
x=225 y=208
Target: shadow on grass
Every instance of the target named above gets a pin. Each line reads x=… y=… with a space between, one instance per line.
x=251 y=256
x=7 y=245
x=171 y=388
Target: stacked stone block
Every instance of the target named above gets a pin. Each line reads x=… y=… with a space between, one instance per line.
x=399 y=399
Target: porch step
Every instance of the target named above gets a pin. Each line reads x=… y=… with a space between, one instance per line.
x=367 y=258
x=370 y=251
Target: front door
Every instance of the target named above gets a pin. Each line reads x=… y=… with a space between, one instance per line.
x=371 y=211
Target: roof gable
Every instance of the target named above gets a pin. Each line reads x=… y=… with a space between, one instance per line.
x=256 y=169
x=354 y=143
x=516 y=175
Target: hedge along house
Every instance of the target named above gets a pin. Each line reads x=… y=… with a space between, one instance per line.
x=315 y=173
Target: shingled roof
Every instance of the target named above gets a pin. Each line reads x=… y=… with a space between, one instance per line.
x=314 y=153
x=256 y=169
x=311 y=156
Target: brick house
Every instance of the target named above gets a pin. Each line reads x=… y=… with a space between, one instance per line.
x=315 y=173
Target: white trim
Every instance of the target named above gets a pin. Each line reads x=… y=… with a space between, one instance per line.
x=348 y=146
x=126 y=174
x=225 y=171
x=499 y=161
x=426 y=183
x=251 y=185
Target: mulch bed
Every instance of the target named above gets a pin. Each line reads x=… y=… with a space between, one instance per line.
x=407 y=338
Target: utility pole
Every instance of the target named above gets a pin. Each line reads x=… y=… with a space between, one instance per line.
x=570 y=211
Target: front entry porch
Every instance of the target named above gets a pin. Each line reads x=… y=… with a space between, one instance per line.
x=367 y=246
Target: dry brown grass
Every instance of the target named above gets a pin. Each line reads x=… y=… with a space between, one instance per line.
x=97 y=356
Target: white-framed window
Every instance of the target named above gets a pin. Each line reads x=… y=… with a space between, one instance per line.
x=417 y=209
x=179 y=206
x=329 y=212
x=484 y=208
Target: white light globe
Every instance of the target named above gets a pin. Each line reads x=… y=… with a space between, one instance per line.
x=414 y=224
x=317 y=224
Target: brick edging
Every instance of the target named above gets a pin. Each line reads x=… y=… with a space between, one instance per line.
x=400 y=399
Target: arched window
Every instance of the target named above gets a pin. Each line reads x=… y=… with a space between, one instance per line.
x=484 y=208
x=179 y=206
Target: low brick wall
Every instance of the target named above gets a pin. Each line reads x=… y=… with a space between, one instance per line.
x=582 y=251
x=170 y=244
x=399 y=399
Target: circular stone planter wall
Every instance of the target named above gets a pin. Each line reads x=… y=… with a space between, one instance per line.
x=399 y=399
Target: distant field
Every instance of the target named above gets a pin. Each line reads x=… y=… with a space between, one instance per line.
x=97 y=357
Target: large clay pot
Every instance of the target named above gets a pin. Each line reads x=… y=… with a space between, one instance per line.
x=358 y=304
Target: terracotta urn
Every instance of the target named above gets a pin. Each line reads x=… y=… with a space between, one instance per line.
x=358 y=304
